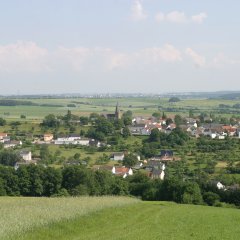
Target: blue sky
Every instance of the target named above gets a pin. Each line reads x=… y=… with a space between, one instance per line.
x=86 y=46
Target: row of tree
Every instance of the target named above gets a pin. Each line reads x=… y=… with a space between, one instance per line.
x=36 y=180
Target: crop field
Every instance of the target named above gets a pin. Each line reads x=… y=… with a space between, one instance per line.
x=85 y=106
x=114 y=218
x=20 y=215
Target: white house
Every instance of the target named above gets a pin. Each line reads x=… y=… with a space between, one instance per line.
x=11 y=144
x=82 y=141
x=122 y=171
x=26 y=155
x=2 y=136
x=139 y=129
x=48 y=137
x=76 y=140
x=220 y=186
x=118 y=156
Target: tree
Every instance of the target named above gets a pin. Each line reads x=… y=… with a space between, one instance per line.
x=178 y=120
x=9 y=181
x=77 y=156
x=92 y=133
x=174 y=99
x=211 y=198
x=126 y=132
x=73 y=176
x=130 y=160
x=52 y=179
x=169 y=121
x=150 y=149
x=156 y=114
x=44 y=152
x=84 y=120
x=192 y=194
x=36 y=173
x=24 y=180
x=138 y=184
x=127 y=118
x=2 y=189
x=155 y=135
x=104 y=126
x=50 y=121
x=2 y=122
x=9 y=158
x=191 y=113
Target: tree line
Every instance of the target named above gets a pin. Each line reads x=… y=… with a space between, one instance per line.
x=37 y=181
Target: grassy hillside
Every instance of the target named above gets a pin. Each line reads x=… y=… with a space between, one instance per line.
x=118 y=219
x=20 y=215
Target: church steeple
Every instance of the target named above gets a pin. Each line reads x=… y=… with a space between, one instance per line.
x=117 y=112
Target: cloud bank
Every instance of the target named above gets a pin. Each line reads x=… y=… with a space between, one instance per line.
x=29 y=57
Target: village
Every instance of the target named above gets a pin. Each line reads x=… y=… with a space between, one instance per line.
x=153 y=166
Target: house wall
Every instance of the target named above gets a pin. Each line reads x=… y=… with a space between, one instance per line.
x=118 y=158
x=27 y=157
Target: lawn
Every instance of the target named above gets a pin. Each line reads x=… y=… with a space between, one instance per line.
x=114 y=218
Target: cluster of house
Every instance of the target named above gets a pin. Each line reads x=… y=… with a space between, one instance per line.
x=73 y=139
x=142 y=126
x=7 y=142
x=49 y=138
x=214 y=131
x=153 y=167
x=121 y=171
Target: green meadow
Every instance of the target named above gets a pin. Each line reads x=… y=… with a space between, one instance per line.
x=22 y=215
x=114 y=218
x=85 y=106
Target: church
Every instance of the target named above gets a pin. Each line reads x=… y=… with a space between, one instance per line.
x=113 y=116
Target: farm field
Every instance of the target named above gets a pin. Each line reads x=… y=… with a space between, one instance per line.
x=85 y=106
x=120 y=220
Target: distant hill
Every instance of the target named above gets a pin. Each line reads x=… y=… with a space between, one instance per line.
x=231 y=96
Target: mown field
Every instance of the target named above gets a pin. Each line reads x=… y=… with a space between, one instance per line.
x=113 y=218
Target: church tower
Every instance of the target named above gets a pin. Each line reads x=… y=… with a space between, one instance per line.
x=117 y=112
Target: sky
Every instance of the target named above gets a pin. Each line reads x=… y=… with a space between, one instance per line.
x=119 y=46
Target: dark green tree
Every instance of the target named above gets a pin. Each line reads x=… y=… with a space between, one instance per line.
x=130 y=160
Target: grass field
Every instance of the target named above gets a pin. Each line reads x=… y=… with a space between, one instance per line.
x=114 y=218
x=20 y=215
x=85 y=106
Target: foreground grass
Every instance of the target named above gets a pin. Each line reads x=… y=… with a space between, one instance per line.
x=146 y=220
x=20 y=215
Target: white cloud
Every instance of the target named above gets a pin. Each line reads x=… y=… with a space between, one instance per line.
x=23 y=56
x=73 y=58
x=221 y=60
x=180 y=17
x=199 y=18
x=160 y=17
x=176 y=17
x=28 y=57
x=198 y=60
x=146 y=57
x=168 y=53
x=137 y=11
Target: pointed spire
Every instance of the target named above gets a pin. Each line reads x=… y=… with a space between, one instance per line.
x=117 y=112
